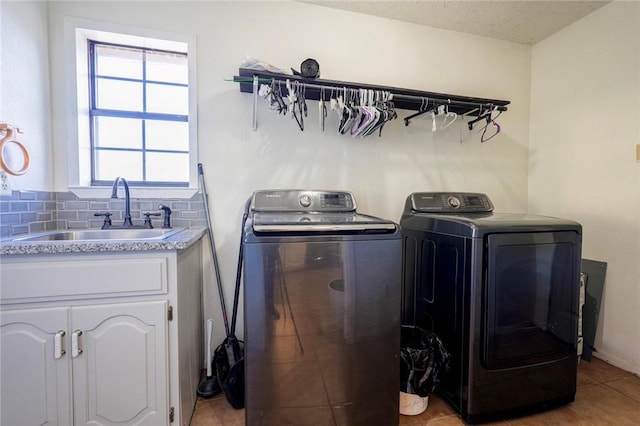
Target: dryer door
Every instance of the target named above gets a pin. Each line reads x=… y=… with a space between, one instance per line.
x=530 y=298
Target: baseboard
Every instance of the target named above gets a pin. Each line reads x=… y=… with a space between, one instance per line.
x=618 y=362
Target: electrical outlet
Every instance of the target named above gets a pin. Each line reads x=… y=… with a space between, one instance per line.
x=5 y=185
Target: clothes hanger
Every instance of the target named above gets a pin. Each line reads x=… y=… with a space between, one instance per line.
x=345 y=111
x=369 y=115
x=365 y=114
x=300 y=104
x=424 y=108
x=434 y=126
x=291 y=96
x=483 y=137
x=381 y=113
x=322 y=109
x=283 y=105
x=388 y=113
x=449 y=118
x=303 y=98
x=333 y=101
x=470 y=127
x=480 y=116
x=378 y=113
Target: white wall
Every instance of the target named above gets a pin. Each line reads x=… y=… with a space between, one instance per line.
x=585 y=110
x=350 y=47
x=24 y=87
x=585 y=98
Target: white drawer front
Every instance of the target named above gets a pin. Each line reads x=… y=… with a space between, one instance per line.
x=82 y=278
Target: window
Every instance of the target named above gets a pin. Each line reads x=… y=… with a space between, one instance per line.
x=139 y=115
x=135 y=109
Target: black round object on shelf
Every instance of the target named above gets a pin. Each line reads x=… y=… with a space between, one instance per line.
x=309 y=68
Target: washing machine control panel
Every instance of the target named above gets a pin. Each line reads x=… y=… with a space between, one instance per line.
x=450 y=202
x=303 y=200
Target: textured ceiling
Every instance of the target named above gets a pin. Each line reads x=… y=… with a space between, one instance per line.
x=519 y=21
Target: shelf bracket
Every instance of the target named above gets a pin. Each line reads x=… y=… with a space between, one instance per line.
x=255 y=103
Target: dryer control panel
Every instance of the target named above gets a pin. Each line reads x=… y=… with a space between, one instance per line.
x=450 y=202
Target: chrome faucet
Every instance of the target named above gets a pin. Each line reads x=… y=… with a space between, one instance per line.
x=127 y=199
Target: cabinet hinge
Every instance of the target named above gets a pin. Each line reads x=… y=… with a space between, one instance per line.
x=171 y=414
x=170 y=313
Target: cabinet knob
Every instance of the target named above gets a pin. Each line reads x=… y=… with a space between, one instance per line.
x=75 y=349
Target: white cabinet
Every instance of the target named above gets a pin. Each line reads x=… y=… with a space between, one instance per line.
x=122 y=347
x=118 y=355
x=120 y=363
x=35 y=385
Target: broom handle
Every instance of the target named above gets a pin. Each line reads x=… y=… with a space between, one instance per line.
x=212 y=245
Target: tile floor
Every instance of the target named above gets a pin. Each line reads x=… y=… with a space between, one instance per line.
x=606 y=395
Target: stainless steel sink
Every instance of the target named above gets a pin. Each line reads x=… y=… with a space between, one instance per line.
x=102 y=235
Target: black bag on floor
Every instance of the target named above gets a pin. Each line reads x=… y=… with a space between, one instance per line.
x=423 y=361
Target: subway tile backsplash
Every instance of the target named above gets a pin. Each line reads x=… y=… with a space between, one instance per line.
x=37 y=211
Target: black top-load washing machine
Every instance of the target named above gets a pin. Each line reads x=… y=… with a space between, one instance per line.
x=322 y=311
x=502 y=292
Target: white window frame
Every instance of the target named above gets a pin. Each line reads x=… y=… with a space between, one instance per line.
x=77 y=32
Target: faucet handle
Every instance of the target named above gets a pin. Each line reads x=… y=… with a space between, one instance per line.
x=107 y=219
x=167 y=215
x=147 y=219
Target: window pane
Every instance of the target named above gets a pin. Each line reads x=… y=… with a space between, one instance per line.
x=116 y=132
x=131 y=85
x=123 y=95
x=167 y=99
x=168 y=135
x=167 y=167
x=118 y=62
x=111 y=164
x=167 y=67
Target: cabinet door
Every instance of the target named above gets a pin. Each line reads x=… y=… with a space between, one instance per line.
x=35 y=385
x=120 y=365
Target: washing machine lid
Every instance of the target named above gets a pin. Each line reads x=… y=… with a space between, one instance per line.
x=295 y=210
x=320 y=222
